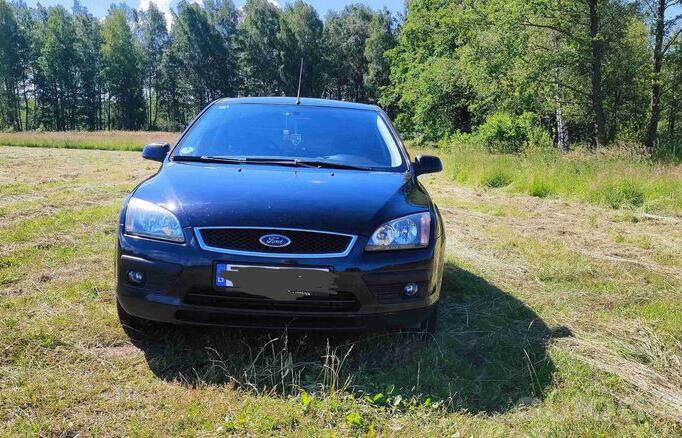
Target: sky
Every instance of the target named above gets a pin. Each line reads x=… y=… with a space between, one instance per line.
x=100 y=7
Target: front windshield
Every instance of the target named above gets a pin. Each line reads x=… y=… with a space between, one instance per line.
x=338 y=135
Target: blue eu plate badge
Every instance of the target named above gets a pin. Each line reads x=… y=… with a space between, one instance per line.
x=221 y=277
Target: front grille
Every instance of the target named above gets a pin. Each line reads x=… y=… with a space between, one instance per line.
x=392 y=293
x=302 y=242
x=341 y=302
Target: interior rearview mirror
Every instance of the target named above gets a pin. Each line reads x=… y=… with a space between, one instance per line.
x=155 y=151
x=427 y=164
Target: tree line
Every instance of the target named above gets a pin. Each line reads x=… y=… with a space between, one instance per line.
x=590 y=71
x=563 y=72
x=67 y=70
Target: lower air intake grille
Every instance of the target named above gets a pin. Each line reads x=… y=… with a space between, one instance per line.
x=341 y=302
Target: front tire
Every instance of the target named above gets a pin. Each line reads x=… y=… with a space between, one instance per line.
x=430 y=325
x=427 y=328
x=133 y=326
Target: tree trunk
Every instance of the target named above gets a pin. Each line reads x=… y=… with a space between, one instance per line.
x=655 y=105
x=597 y=49
x=156 y=109
x=672 y=114
x=17 y=107
x=149 y=90
x=563 y=141
x=26 y=125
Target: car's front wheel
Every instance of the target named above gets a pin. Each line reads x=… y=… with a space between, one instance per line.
x=132 y=325
x=430 y=325
x=427 y=328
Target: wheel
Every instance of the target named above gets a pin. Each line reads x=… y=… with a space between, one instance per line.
x=132 y=325
x=430 y=325
x=427 y=328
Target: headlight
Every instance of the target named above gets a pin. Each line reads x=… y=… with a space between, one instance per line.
x=149 y=220
x=404 y=233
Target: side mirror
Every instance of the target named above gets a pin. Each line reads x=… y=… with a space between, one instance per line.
x=427 y=164
x=155 y=151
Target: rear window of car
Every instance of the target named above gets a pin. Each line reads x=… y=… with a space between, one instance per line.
x=350 y=136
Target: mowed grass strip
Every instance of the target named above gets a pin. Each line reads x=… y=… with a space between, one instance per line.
x=501 y=363
x=40 y=182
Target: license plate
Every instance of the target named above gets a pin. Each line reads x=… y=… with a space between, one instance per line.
x=276 y=282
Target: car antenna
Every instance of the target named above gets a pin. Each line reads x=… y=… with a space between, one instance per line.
x=300 y=77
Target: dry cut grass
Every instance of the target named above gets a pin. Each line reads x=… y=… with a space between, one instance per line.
x=559 y=319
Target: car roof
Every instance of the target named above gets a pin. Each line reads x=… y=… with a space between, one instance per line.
x=306 y=101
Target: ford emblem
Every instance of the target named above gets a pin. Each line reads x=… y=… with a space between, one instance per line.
x=275 y=240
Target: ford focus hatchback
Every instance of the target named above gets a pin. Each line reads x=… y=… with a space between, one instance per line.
x=272 y=213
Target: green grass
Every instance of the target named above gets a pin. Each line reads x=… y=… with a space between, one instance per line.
x=614 y=179
x=609 y=179
x=103 y=140
x=520 y=302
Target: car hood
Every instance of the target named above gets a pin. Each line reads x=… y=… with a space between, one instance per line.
x=345 y=201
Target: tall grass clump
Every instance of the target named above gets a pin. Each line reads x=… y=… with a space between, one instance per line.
x=102 y=140
x=613 y=178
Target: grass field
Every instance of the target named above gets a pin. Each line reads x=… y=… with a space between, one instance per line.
x=559 y=318
x=105 y=140
x=612 y=178
x=615 y=179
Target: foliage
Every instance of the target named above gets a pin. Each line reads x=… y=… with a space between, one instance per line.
x=154 y=41
x=135 y=70
x=508 y=133
x=121 y=71
x=57 y=76
x=258 y=49
x=582 y=65
x=351 y=40
x=300 y=37
x=581 y=72
x=13 y=51
x=205 y=66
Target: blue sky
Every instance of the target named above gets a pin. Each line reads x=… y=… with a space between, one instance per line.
x=100 y=7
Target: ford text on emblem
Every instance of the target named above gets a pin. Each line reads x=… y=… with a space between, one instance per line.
x=275 y=240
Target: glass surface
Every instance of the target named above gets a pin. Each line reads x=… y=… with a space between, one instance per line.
x=337 y=135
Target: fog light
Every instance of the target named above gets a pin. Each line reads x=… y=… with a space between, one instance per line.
x=136 y=277
x=411 y=289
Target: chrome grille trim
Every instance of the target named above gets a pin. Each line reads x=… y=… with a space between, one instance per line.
x=204 y=246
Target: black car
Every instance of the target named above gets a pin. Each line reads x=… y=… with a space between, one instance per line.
x=278 y=212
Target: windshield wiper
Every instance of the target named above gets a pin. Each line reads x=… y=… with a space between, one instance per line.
x=320 y=164
x=280 y=161
x=332 y=165
x=269 y=160
x=247 y=160
x=205 y=159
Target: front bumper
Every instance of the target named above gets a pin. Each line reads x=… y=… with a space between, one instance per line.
x=178 y=287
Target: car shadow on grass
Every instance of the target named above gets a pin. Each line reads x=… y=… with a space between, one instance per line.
x=488 y=355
